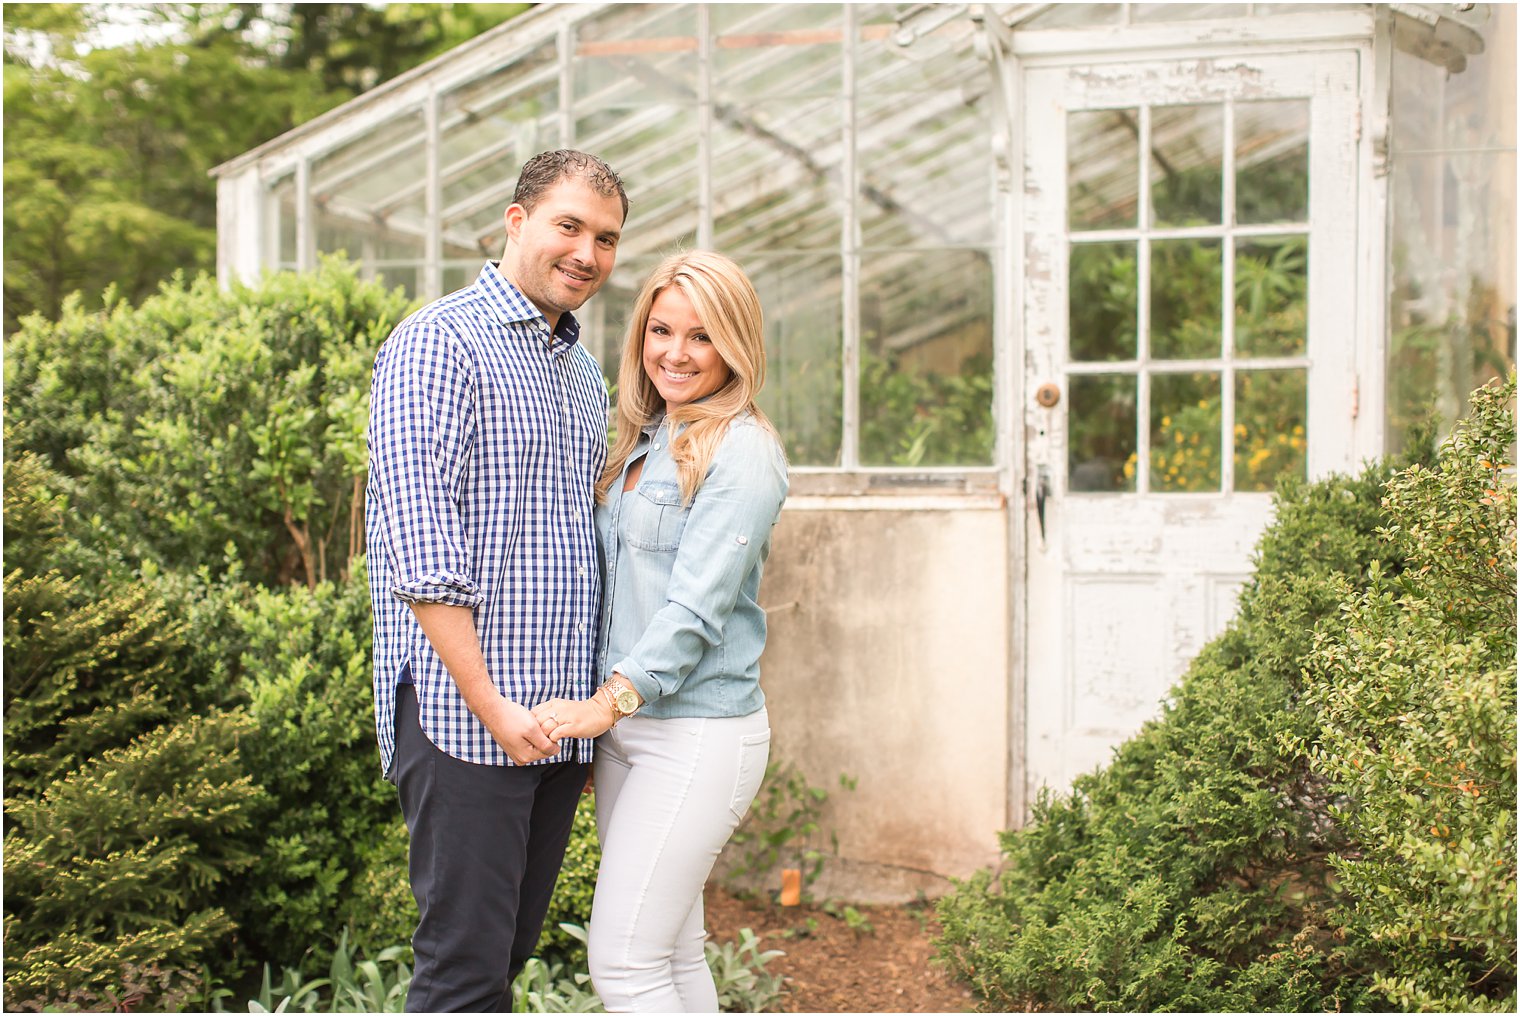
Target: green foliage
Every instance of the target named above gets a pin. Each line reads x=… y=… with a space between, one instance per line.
x=207 y=425
x=783 y=829
x=354 y=984
x=1414 y=685
x=1324 y=816
x=127 y=807
x=571 y=904
x=303 y=658
x=107 y=183
x=1192 y=873
x=911 y=418
x=743 y=983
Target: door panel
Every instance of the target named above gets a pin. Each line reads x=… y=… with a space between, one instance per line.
x=1190 y=263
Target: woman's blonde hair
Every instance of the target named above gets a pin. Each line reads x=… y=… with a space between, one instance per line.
x=729 y=309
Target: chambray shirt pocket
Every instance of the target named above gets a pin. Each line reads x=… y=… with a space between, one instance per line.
x=654 y=518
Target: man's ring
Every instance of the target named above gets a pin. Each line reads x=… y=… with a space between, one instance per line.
x=555 y=718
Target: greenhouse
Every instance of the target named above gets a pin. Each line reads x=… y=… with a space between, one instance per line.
x=1054 y=293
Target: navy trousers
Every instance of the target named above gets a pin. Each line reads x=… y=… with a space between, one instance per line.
x=486 y=848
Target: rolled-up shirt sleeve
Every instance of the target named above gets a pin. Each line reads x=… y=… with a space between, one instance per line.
x=422 y=429
x=726 y=536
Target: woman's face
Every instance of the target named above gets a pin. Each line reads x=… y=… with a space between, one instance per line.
x=678 y=356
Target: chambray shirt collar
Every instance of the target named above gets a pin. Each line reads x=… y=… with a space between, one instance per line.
x=511 y=307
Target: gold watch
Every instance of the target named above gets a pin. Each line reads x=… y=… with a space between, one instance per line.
x=623 y=699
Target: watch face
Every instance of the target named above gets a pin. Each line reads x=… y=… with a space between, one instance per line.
x=627 y=701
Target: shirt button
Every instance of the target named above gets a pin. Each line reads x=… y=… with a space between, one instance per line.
x=743 y=541
x=581 y=571
x=575 y=515
x=581 y=627
x=656 y=446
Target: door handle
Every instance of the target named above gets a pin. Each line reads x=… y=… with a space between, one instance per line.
x=1041 y=493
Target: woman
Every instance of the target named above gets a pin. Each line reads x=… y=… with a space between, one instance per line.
x=694 y=483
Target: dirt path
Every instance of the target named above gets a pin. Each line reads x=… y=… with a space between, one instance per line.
x=885 y=963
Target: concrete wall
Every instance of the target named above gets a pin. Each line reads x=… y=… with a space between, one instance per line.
x=887 y=660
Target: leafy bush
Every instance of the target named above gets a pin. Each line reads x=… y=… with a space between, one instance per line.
x=204 y=419
x=1414 y=685
x=1192 y=873
x=1324 y=815
x=127 y=807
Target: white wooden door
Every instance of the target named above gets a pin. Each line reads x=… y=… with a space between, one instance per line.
x=1190 y=273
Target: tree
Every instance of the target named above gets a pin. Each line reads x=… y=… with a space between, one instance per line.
x=108 y=149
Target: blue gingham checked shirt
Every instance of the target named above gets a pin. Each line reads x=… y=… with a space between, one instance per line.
x=486 y=437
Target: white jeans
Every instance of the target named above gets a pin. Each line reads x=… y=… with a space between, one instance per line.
x=668 y=796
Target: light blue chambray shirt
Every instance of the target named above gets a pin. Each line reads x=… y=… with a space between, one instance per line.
x=681 y=617
x=487 y=434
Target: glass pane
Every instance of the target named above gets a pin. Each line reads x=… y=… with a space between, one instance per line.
x=1186 y=12
x=926 y=359
x=939 y=59
x=1101 y=431
x=487 y=129
x=632 y=54
x=1271 y=296
x=405 y=276
x=1271 y=410
x=459 y=275
x=1102 y=168
x=654 y=149
x=604 y=318
x=775 y=172
x=366 y=193
x=1187 y=165
x=1452 y=306
x=1185 y=432
x=284 y=201
x=1272 y=161
x=926 y=179
x=804 y=341
x=1104 y=297
x=1186 y=276
x=1075 y=16
x=770 y=50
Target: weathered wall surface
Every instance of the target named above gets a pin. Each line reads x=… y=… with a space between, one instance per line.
x=887 y=660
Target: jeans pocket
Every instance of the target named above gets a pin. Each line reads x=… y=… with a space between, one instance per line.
x=754 y=752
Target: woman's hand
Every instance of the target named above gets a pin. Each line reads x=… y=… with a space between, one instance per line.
x=562 y=718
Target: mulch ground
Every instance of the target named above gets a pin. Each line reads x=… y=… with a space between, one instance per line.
x=885 y=964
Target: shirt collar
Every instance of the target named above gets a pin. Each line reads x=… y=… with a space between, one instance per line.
x=511 y=307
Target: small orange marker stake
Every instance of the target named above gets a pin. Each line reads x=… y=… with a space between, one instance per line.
x=791 y=887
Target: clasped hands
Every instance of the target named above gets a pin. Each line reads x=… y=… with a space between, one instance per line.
x=557 y=719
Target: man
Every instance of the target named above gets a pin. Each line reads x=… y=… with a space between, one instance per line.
x=488 y=429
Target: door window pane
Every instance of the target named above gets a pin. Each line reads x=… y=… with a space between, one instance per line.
x=1185 y=412
x=1100 y=438
x=1185 y=283
x=1271 y=410
x=1104 y=299
x=926 y=359
x=1271 y=296
x=1272 y=161
x=1102 y=168
x=1187 y=165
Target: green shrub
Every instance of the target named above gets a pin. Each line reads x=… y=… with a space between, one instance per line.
x=203 y=418
x=1414 y=685
x=1191 y=872
x=573 y=892
x=127 y=806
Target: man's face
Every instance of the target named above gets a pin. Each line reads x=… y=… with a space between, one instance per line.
x=560 y=254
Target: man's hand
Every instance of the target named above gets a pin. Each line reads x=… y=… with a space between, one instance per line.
x=519 y=733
